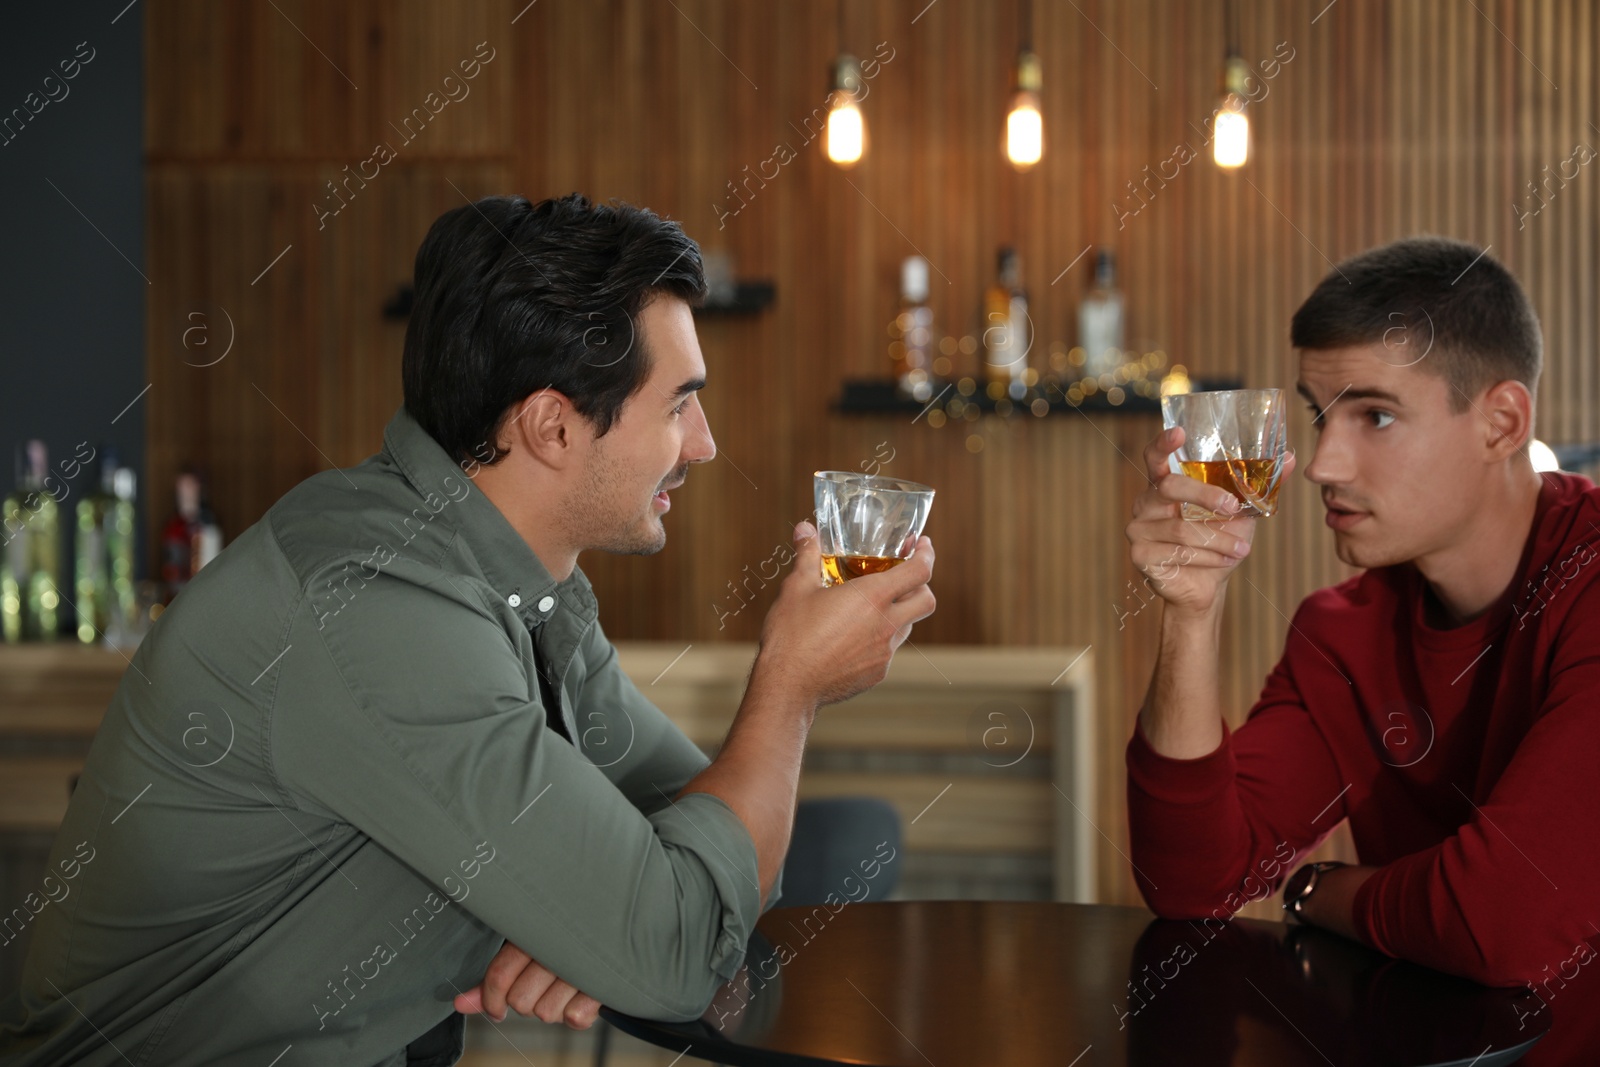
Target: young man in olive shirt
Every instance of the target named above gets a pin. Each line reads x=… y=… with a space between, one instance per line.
x=332 y=786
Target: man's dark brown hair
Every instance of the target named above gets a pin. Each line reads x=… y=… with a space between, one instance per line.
x=1441 y=305
x=513 y=297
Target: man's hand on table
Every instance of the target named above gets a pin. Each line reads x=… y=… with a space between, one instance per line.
x=1333 y=905
x=517 y=981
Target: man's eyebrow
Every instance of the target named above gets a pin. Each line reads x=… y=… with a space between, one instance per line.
x=1353 y=393
x=690 y=386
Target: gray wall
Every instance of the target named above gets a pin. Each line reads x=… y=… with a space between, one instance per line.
x=72 y=290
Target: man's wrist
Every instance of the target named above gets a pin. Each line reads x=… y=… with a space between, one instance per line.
x=1300 y=891
x=774 y=689
x=1194 y=623
x=1332 y=905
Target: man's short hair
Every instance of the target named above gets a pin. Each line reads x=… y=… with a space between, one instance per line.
x=1445 y=306
x=513 y=297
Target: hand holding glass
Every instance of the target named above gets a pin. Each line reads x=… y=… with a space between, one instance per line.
x=1237 y=439
x=867 y=523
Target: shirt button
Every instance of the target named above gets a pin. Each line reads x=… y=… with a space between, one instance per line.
x=514 y=600
x=546 y=603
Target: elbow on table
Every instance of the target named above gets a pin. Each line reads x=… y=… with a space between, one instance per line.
x=1499 y=954
x=1549 y=970
x=1177 y=903
x=669 y=1000
x=1543 y=959
x=694 y=904
x=681 y=987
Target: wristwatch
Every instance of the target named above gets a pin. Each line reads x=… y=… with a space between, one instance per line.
x=1302 y=884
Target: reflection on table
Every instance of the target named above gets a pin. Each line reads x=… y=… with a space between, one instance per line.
x=958 y=983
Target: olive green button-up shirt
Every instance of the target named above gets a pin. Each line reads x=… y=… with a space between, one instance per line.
x=327 y=789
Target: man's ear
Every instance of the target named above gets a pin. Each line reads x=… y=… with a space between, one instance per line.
x=544 y=426
x=1508 y=407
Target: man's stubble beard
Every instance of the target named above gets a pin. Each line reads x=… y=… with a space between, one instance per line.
x=596 y=528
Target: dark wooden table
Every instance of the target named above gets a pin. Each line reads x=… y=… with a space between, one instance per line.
x=995 y=984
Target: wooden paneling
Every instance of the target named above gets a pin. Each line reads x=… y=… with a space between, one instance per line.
x=987 y=754
x=1390 y=119
x=1005 y=733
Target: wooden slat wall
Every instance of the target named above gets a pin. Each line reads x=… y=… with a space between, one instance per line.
x=1391 y=119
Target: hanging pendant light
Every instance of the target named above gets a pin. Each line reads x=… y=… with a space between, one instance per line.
x=1230 y=130
x=845 y=139
x=1024 y=124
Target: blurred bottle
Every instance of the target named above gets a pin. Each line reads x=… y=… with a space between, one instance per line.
x=1100 y=316
x=105 y=555
x=122 y=547
x=1006 y=330
x=191 y=538
x=30 y=518
x=912 y=352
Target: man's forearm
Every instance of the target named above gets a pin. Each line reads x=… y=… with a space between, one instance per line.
x=757 y=771
x=1182 y=713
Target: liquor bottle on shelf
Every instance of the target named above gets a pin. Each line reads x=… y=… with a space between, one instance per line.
x=30 y=520
x=1100 y=317
x=1007 y=330
x=191 y=538
x=105 y=553
x=912 y=351
x=16 y=510
x=122 y=549
x=208 y=541
x=91 y=581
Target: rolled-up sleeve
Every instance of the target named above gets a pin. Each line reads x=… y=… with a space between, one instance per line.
x=632 y=742
x=412 y=716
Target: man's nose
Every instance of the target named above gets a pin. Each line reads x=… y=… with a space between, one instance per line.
x=699 y=446
x=1330 y=462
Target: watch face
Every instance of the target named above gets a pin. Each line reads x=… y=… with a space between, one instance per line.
x=1298 y=883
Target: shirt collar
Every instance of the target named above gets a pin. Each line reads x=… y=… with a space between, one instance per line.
x=507 y=563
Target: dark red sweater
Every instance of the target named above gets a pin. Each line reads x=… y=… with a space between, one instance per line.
x=1466 y=761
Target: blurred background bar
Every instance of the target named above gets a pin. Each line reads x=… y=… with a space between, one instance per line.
x=212 y=224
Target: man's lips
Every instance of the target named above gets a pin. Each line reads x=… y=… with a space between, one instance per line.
x=1342 y=518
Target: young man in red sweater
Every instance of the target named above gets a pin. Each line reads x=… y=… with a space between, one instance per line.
x=1443 y=701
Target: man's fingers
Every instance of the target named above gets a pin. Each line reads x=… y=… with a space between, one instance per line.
x=1163 y=560
x=503 y=970
x=913 y=607
x=1156 y=453
x=530 y=988
x=1182 y=488
x=1226 y=538
x=932 y=556
x=1166 y=568
x=521 y=983
x=1179 y=540
x=1151 y=504
x=582 y=1011
x=1158 y=537
x=553 y=1004
x=896 y=582
x=807 y=554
